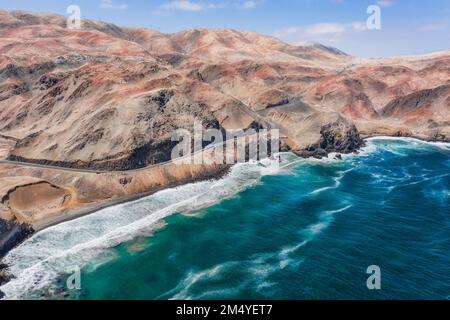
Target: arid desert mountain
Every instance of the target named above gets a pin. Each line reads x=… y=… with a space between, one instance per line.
x=108 y=98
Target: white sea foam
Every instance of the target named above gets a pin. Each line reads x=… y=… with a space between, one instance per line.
x=332 y=158
x=40 y=260
x=253 y=273
x=423 y=180
x=325 y=220
x=412 y=142
x=337 y=182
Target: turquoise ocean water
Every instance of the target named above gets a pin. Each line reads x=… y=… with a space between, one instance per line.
x=307 y=230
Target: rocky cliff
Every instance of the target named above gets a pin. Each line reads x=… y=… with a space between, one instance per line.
x=337 y=137
x=12 y=233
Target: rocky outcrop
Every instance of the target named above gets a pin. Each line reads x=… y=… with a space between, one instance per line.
x=4 y=275
x=12 y=233
x=339 y=137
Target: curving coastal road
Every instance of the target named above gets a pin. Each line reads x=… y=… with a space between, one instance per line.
x=78 y=170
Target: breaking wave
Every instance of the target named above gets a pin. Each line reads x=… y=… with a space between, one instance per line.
x=40 y=260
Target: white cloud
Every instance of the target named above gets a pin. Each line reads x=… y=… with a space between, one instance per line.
x=385 y=3
x=251 y=4
x=108 y=4
x=183 y=5
x=325 y=28
x=186 y=5
x=197 y=6
x=330 y=32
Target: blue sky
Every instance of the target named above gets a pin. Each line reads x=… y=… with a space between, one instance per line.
x=407 y=26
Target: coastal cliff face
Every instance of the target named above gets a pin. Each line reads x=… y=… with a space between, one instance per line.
x=108 y=98
x=12 y=233
x=4 y=277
